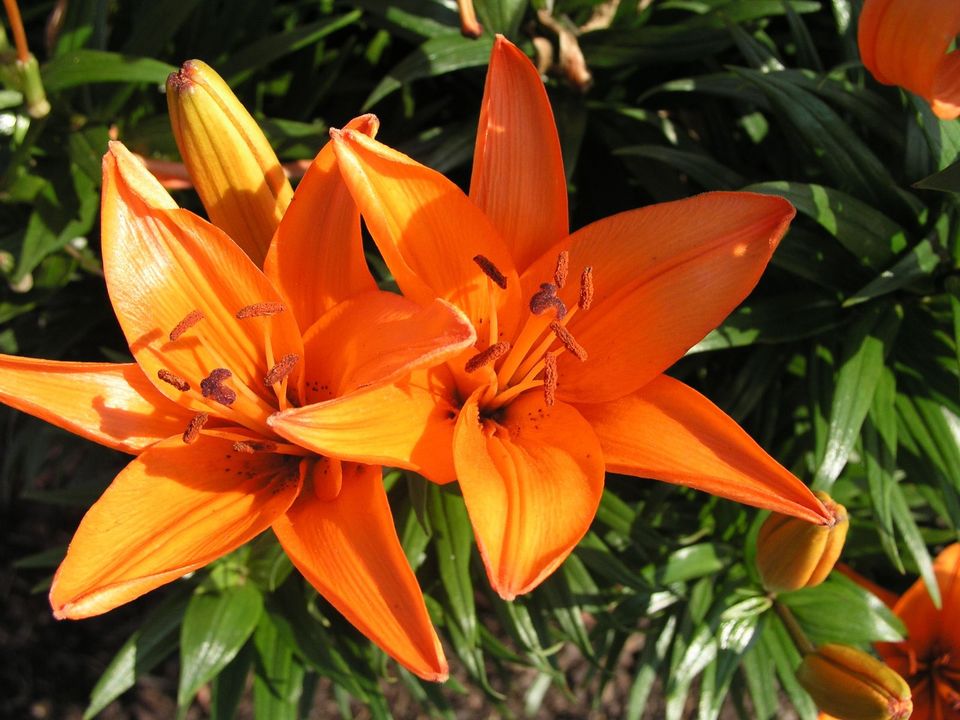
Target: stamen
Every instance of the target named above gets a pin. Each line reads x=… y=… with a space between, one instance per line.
x=212 y=387
x=491 y=354
x=253 y=446
x=551 y=377
x=568 y=341
x=279 y=371
x=194 y=427
x=546 y=298
x=192 y=318
x=491 y=271
x=563 y=268
x=260 y=309
x=178 y=382
x=586 y=288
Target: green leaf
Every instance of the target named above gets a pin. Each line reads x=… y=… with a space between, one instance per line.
x=703 y=169
x=153 y=642
x=689 y=563
x=655 y=650
x=501 y=16
x=879 y=436
x=920 y=262
x=278 y=675
x=437 y=56
x=228 y=686
x=83 y=67
x=860 y=368
x=947 y=180
x=215 y=627
x=912 y=538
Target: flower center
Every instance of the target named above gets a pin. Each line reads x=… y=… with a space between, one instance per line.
x=530 y=361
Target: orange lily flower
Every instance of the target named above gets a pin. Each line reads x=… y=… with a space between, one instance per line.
x=574 y=332
x=221 y=346
x=905 y=42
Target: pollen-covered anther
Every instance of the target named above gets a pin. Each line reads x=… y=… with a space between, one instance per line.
x=254 y=446
x=568 y=341
x=279 y=371
x=551 y=378
x=194 y=427
x=212 y=387
x=170 y=379
x=491 y=271
x=490 y=355
x=563 y=269
x=546 y=298
x=191 y=319
x=586 y=288
x=260 y=309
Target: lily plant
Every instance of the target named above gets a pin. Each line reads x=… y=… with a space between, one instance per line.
x=573 y=334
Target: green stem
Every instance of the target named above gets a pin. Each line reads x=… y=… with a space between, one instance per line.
x=799 y=638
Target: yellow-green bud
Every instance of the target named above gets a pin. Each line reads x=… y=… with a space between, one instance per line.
x=234 y=169
x=794 y=554
x=849 y=684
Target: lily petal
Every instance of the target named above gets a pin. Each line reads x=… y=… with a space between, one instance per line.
x=316 y=257
x=380 y=337
x=664 y=276
x=348 y=549
x=163 y=265
x=110 y=403
x=428 y=231
x=173 y=509
x=668 y=431
x=532 y=481
x=518 y=178
x=409 y=424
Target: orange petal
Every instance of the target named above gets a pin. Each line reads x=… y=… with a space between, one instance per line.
x=380 y=337
x=428 y=231
x=348 y=549
x=518 y=178
x=409 y=425
x=664 y=276
x=668 y=431
x=316 y=257
x=172 y=510
x=109 y=403
x=905 y=42
x=532 y=481
x=163 y=264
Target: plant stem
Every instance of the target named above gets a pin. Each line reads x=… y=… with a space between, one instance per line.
x=793 y=627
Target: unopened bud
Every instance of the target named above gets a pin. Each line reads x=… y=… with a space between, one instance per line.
x=794 y=554
x=849 y=684
x=235 y=171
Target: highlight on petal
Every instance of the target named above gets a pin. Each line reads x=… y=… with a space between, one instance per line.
x=348 y=549
x=668 y=431
x=905 y=42
x=532 y=480
x=409 y=424
x=110 y=403
x=518 y=178
x=663 y=277
x=236 y=173
x=316 y=257
x=173 y=509
x=428 y=231
x=177 y=284
x=380 y=337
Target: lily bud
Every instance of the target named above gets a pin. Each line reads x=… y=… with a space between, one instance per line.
x=849 y=684
x=234 y=169
x=794 y=554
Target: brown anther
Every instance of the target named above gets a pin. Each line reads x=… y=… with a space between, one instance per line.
x=192 y=318
x=551 y=377
x=563 y=268
x=491 y=271
x=253 y=446
x=260 y=309
x=212 y=387
x=279 y=371
x=194 y=427
x=586 y=288
x=546 y=298
x=568 y=341
x=178 y=382
x=491 y=354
